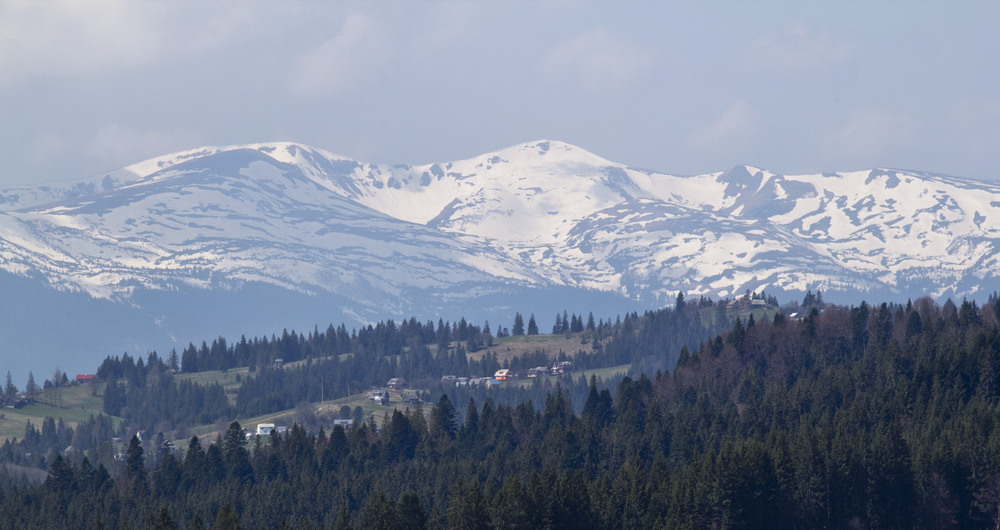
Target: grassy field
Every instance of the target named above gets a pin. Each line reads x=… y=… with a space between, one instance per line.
x=228 y=379
x=340 y=358
x=329 y=408
x=72 y=404
x=507 y=347
x=606 y=373
x=332 y=407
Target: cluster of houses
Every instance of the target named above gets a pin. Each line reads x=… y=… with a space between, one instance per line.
x=748 y=301
x=561 y=367
x=266 y=429
x=506 y=374
x=381 y=396
x=557 y=368
x=488 y=382
x=269 y=429
x=14 y=402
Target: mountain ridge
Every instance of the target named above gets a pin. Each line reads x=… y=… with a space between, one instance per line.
x=530 y=199
x=519 y=223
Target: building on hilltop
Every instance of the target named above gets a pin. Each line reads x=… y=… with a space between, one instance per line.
x=562 y=367
x=264 y=429
x=379 y=396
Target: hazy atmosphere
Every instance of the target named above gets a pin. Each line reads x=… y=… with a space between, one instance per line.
x=499 y=264
x=681 y=87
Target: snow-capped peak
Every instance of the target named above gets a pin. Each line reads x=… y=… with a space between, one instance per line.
x=546 y=212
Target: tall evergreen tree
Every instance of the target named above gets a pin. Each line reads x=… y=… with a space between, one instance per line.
x=135 y=462
x=467 y=509
x=31 y=388
x=518 y=329
x=226 y=519
x=410 y=514
x=235 y=453
x=444 y=420
x=379 y=513
x=163 y=520
x=9 y=389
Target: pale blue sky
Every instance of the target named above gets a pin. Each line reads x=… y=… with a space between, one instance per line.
x=679 y=87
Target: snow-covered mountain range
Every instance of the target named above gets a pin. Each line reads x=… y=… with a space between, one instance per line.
x=476 y=237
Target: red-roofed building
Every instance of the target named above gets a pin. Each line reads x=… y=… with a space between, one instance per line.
x=85 y=378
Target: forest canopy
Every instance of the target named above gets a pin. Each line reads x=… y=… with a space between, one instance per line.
x=881 y=416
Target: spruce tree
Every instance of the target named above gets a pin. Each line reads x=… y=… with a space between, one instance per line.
x=467 y=507
x=517 y=330
x=410 y=514
x=32 y=388
x=443 y=422
x=532 y=326
x=9 y=389
x=226 y=519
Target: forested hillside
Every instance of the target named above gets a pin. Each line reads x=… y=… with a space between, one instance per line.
x=338 y=363
x=879 y=416
x=175 y=396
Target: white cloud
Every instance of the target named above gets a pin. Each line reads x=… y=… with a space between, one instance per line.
x=64 y=38
x=798 y=48
x=868 y=133
x=597 y=60
x=735 y=126
x=348 y=60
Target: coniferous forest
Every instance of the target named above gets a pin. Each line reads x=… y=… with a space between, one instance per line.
x=868 y=416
